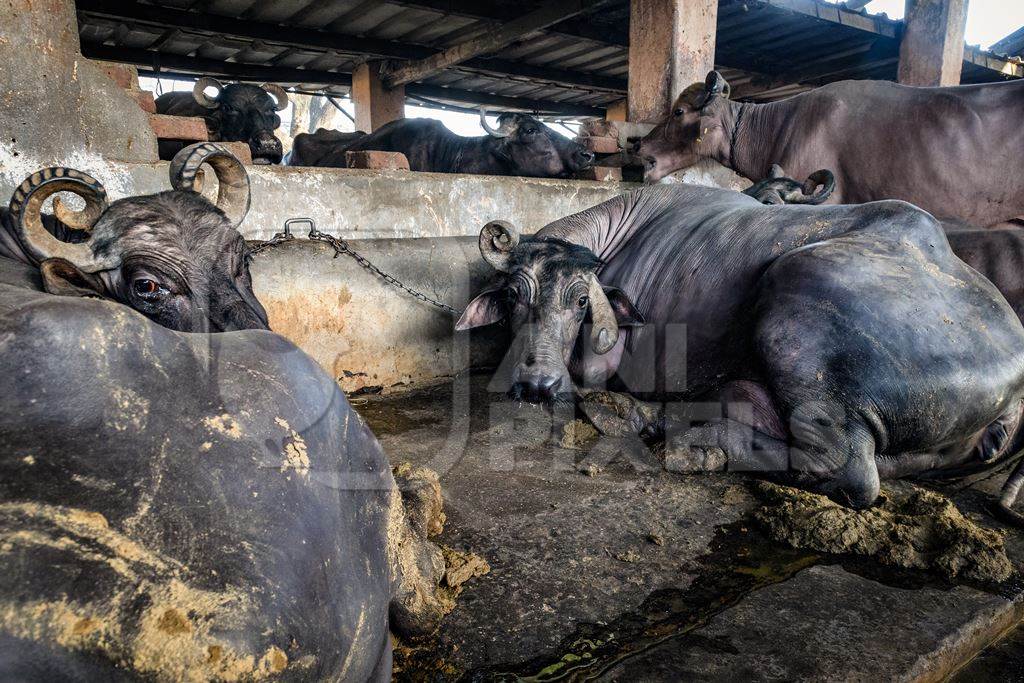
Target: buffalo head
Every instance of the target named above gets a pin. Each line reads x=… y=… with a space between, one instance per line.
x=244 y=113
x=174 y=256
x=532 y=149
x=692 y=129
x=547 y=290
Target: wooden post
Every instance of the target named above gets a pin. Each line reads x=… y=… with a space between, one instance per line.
x=671 y=45
x=616 y=111
x=932 y=49
x=375 y=104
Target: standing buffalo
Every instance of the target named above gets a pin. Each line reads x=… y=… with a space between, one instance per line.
x=848 y=337
x=956 y=152
x=520 y=145
x=176 y=506
x=173 y=256
x=238 y=112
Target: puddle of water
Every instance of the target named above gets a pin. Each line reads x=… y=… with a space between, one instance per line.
x=393 y=415
x=738 y=563
x=1003 y=661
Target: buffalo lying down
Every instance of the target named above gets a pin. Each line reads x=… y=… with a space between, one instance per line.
x=321 y=148
x=238 y=112
x=520 y=145
x=180 y=506
x=955 y=152
x=173 y=256
x=848 y=343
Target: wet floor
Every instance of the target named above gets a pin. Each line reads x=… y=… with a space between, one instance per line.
x=599 y=558
x=1003 y=662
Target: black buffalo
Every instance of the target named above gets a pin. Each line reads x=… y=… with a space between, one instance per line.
x=855 y=343
x=238 y=112
x=173 y=256
x=520 y=145
x=313 y=149
x=185 y=507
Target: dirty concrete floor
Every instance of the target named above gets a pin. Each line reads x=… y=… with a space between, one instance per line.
x=606 y=567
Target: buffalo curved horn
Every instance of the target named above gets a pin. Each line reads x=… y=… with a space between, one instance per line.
x=605 y=331
x=497 y=240
x=279 y=95
x=199 y=92
x=233 y=182
x=715 y=84
x=499 y=132
x=26 y=211
x=826 y=179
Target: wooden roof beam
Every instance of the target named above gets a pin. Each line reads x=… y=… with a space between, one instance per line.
x=156 y=64
x=295 y=38
x=549 y=14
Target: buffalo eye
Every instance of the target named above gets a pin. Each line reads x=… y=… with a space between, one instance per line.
x=678 y=112
x=531 y=131
x=583 y=301
x=146 y=288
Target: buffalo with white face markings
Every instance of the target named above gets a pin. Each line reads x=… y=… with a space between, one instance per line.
x=859 y=345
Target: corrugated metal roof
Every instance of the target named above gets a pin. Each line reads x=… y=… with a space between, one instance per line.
x=1012 y=44
x=766 y=48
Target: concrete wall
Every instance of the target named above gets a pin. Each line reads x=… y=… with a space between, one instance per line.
x=356 y=203
x=365 y=332
x=371 y=204
x=55 y=105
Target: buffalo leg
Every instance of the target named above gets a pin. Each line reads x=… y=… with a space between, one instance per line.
x=1003 y=508
x=826 y=455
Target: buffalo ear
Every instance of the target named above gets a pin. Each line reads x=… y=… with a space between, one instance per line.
x=626 y=314
x=63 y=278
x=489 y=307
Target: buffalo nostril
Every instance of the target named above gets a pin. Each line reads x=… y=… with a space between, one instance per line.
x=537 y=388
x=548 y=386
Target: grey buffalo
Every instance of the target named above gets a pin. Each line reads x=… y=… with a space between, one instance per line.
x=955 y=152
x=857 y=345
x=179 y=506
x=173 y=256
x=520 y=145
x=237 y=112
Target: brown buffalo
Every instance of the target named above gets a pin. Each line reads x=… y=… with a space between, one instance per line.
x=956 y=152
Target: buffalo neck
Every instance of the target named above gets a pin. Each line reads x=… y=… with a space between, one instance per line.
x=607 y=227
x=753 y=135
x=10 y=245
x=475 y=155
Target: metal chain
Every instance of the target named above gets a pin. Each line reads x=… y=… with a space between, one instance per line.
x=340 y=246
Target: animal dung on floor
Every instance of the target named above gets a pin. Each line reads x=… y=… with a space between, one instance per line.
x=910 y=528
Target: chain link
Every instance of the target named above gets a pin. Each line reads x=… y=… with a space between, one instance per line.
x=340 y=246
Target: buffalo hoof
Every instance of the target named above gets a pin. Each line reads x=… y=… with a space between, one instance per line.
x=1005 y=514
x=690 y=459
